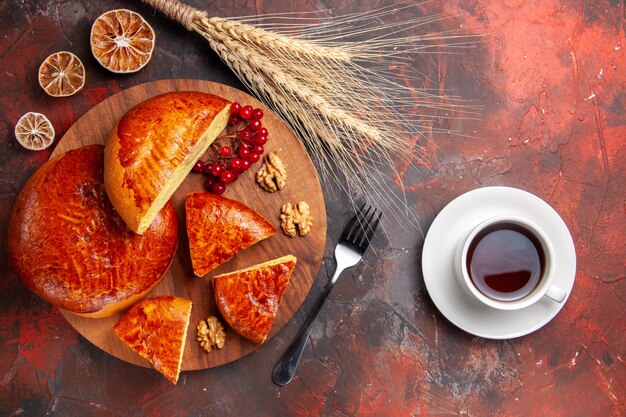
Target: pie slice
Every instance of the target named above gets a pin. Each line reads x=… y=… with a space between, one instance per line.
x=156 y=328
x=249 y=298
x=154 y=146
x=219 y=228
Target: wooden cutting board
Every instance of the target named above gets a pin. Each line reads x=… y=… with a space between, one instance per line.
x=302 y=185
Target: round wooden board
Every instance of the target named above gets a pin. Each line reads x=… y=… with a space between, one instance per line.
x=302 y=185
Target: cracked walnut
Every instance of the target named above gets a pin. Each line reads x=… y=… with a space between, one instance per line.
x=211 y=334
x=272 y=176
x=296 y=219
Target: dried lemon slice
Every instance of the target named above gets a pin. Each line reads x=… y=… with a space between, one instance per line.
x=122 y=41
x=34 y=131
x=62 y=74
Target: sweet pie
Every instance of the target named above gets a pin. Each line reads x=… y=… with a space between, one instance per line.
x=219 y=228
x=156 y=328
x=248 y=299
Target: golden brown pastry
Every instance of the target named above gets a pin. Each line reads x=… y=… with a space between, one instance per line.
x=156 y=328
x=248 y=299
x=154 y=146
x=219 y=228
x=70 y=247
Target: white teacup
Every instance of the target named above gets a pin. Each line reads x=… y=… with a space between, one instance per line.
x=544 y=286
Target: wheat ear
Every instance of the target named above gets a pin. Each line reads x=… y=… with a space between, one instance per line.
x=343 y=85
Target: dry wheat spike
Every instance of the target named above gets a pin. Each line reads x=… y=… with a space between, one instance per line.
x=331 y=80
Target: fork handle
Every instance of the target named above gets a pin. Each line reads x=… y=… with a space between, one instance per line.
x=285 y=368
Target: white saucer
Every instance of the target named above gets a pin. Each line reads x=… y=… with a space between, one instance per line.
x=454 y=222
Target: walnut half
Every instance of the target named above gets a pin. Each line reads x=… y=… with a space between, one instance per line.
x=296 y=217
x=211 y=334
x=272 y=175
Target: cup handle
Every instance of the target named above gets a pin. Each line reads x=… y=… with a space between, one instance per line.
x=556 y=294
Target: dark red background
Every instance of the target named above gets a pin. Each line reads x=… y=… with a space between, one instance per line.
x=550 y=76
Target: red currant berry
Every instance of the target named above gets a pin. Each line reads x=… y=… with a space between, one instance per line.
x=263 y=132
x=226 y=151
x=246 y=112
x=257 y=114
x=235 y=163
x=244 y=152
x=233 y=120
x=245 y=134
x=227 y=177
x=218 y=188
x=207 y=168
x=217 y=169
x=245 y=165
x=255 y=125
x=260 y=140
x=254 y=157
x=208 y=183
x=258 y=149
x=198 y=166
x=235 y=108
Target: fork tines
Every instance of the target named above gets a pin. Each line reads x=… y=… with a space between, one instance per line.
x=362 y=226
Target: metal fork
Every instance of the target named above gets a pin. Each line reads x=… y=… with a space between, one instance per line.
x=352 y=245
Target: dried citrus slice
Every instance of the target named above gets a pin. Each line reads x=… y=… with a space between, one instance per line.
x=122 y=41
x=34 y=131
x=62 y=74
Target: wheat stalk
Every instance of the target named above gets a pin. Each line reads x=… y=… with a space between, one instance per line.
x=332 y=82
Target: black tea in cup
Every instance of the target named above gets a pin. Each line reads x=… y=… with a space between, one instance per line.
x=505 y=261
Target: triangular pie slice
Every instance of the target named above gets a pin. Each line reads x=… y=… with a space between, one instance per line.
x=219 y=228
x=156 y=328
x=248 y=299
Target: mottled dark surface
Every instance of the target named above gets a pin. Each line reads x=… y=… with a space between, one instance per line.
x=551 y=77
